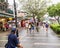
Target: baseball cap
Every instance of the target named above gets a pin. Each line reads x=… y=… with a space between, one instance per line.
x=13 y=30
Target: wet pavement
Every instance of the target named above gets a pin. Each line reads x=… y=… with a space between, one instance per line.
x=41 y=39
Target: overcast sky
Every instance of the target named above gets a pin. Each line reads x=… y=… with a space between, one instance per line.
x=55 y=1
x=11 y=2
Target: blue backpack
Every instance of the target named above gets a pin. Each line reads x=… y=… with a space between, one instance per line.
x=46 y=25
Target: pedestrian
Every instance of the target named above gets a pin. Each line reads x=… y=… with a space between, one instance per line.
x=15 y=28
x=37 y=26
x=29 y=26
x=46 y=26
x=13 y=41
x=32 y=26
x=17 y=34
x=26 y=25
x=10 y=26
x=13 y=25
x=43 y=24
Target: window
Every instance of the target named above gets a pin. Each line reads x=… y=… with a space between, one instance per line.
x=2 y=0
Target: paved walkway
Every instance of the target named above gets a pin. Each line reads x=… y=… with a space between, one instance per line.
x=36 y=39
x=40 y=39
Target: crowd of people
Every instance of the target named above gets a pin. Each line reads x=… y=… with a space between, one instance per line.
x=13 y=37
x=31 y=26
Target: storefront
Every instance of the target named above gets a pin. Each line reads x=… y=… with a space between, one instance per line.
x=4 y=18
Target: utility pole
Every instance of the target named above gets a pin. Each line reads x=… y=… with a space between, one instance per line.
x=15 y=11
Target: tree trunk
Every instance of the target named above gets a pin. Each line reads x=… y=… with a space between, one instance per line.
x=58 y=19
x=34 y=18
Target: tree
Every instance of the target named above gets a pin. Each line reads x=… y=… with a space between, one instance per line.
x=34 y=8
x=58 y=9
x=51 y=10
x=54 y=10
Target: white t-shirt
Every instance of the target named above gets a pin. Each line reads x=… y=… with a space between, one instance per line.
x=29 y=26
x=26 y=24
x=10 y=25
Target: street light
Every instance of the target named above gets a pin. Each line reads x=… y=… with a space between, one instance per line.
x=15 y=11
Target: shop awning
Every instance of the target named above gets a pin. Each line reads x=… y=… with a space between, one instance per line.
x=6 y=15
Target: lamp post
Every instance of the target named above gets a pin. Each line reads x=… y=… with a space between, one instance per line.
x=15 y=11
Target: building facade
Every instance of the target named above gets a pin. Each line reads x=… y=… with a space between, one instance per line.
x=4 y=16
x=3 y=5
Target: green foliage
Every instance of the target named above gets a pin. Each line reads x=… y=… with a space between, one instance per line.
x=56 y=28
x=54 y=10
x=58 y=9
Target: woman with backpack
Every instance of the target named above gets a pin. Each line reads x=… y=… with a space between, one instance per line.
x=46 y=25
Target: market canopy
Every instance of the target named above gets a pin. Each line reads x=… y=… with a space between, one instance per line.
x=6 y=15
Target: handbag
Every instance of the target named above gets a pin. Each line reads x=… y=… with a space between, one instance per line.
x=6 y=45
